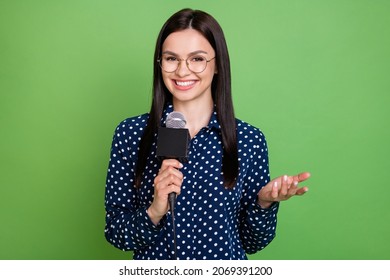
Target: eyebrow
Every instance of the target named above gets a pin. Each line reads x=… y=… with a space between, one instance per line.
x=191 y=53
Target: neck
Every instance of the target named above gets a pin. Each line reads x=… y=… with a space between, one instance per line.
x=196 y=115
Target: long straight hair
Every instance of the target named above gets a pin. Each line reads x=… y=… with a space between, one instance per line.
x=220 y=87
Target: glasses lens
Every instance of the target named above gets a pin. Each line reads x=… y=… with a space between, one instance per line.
x=197 y=63
x=169 y=63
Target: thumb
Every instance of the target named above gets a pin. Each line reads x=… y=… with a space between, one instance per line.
x=275 y=190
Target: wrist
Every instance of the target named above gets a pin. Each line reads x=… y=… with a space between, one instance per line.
x=153 y=216
x=264 y=204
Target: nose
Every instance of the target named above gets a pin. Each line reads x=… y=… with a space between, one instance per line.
x=182 y=69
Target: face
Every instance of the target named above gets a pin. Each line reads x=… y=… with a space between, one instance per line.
x=184 y=84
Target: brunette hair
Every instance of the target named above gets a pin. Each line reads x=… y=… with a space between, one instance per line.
x=221 y=91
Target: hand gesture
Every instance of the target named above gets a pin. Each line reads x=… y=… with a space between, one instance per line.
x=282 y=188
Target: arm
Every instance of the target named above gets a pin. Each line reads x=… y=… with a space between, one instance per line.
x=128 y=225
x=258 y=224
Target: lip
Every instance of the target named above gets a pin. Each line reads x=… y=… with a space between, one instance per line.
x=184 y=84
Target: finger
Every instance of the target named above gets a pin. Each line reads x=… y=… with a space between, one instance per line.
x=170 y=162
x=290 y=181
x=302 y=177
x=284 y=186
x=168 y=172
x=163 y=192
x=171 y=171
x=275 y=191
x=293 y=188
x=302 y=191
x=166 y=184
x=175 y=188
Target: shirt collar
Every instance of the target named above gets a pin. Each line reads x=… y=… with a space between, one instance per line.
x=167 y=110
x=213 y=123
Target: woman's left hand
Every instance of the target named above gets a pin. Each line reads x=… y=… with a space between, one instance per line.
x=282 y=188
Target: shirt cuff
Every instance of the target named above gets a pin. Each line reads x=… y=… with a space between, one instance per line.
x=147 y=223
x=258 y=209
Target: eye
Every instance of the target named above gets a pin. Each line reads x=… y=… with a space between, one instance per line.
x=197 y=58
x=170 y=58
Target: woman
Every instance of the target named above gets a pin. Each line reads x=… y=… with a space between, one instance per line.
x=226 y=204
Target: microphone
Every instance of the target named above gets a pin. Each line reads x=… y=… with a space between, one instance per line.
x=175 y=120
x=173 y=140
x=172 y=143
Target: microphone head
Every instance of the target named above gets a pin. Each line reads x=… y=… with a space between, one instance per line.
x=175 y=120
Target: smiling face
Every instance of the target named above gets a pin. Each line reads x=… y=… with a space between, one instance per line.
x=185 y=85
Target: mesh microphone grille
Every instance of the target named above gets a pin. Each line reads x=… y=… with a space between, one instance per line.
x=175 y=120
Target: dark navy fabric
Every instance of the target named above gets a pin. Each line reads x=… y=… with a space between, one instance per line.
x=212 y=222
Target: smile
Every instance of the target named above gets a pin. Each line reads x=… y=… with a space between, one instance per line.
x=184 y=83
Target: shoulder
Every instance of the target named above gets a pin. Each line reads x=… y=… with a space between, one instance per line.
x=248 y=133
x=133 y=126
x=251 y=142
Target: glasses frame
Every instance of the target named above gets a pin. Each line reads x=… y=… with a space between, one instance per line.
x=179 y=60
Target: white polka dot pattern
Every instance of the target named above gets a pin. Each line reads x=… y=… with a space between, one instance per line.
x=212 y=222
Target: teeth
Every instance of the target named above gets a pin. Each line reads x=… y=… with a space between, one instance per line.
x=185 y=84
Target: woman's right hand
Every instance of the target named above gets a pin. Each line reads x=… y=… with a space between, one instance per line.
x=169 y=179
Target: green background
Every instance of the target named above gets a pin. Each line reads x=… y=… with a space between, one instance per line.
x=313 y=75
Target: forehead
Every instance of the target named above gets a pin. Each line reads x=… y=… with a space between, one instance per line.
x=186 y=41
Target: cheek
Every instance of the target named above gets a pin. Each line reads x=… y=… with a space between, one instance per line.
x=166 y=80
x=212 y=70
x=209 y=76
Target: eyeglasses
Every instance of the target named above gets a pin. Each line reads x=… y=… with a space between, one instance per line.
x=195 y=63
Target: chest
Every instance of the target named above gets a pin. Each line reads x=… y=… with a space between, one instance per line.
x=203 y=177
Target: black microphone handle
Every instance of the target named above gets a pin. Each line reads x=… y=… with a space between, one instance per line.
x=172 y=200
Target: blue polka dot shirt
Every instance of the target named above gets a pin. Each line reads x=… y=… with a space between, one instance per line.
x=212 y=222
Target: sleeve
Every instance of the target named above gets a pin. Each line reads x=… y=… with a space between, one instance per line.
x=258 y=225
x=128 y=226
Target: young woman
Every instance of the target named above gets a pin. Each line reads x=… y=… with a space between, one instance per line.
x=226 y=204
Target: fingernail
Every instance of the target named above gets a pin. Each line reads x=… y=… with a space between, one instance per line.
x=285 y=178
x=295 y=183
x=275 y=184
x=181 y=165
